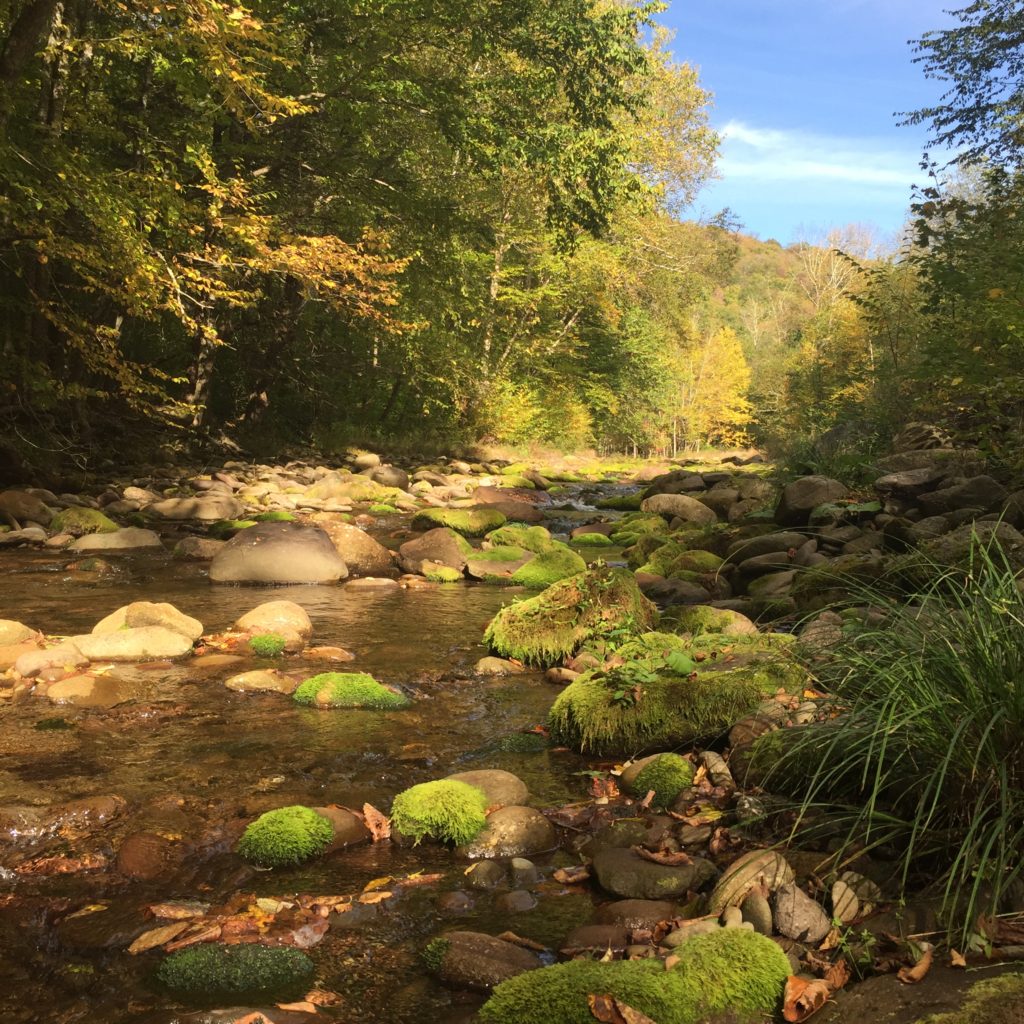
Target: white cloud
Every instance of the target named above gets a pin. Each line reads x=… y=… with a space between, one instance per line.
x=772 y=155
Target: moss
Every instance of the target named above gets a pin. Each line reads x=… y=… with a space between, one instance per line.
x=438 y=573
x=622 y=502
x=698 y=619
x=729 y=970
x=502 y=553
x=81 y=521
x=209 y=971
x=277 y=516
x=379 y=508
x=632 y=528
x=637 y=646
x=434 y=953
x=592 y=540
x=268 y=645
x=667 y=711
x=557 y=563
x=446 y=810
x=667 y=775
x=46 y=724
x=225 y=528
x=517 y=481
x=520 y=743
x=470 y=522
x=348 y=690
x=529 y=538
x=289 y=835
x=554 y=624
x=639 y=553
x=997 y=1000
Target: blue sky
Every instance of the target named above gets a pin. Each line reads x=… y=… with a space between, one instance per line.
x=804 y=94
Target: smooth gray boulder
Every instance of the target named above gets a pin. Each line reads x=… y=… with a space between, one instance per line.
x=278 y=553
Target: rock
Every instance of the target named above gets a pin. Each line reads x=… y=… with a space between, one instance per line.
x=366 y=460
x=801 y=497
x=197 y=549
x=150 y=613
x=679 y=936
x=955 y=547
x=29 y=535
x=128 y=539
x=980 y=492
x=757 y=910
x=560 y=676
x=516 y=902
x=845 y=904
x=636 y=914
x=917 y=436
x=13 y=632
x=477 y=961
x=349 y=828
x=207 y=508
x=85 y=691
x=512 y=832
x=389 y=476
x=765 y=544
x=523 y=872
x=363 y=555
x=143 y=643
x=63 y=656
x=10 y=653
x=798 y=917
x=78 y=521
x=757 y=868
x=148 y=855
x=910 y=483
x=625 y=873
x=440 y=545
x=598 y=937
x=491 y=666
x=948 y=461
x=262 y=681
x=456 y=902
x=286 y=618
x=485 y=874
x=679 y=506
x=278 y=553
x=24 y=507
x=502 y=789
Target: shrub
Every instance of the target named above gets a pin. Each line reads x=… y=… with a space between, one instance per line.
x=211 y=971
x=268 y=645
x=348 y=690
x=447 y=810
x=289 y=835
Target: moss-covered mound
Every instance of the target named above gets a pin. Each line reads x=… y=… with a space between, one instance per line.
x=622 y=502
x=348 y=690
x=643 y=646
x=268 y=645
x=556 y=563
x=380 y=508
x=554 y=624
x=513 y=480
x=210 y=972
x=631 y=528
x=666 y=776
x=276 y=516
x=635 y=707
x=730 y=970
x=672 y=559
x=700 y=618
x=529 y=538
x=446 y=810
x=470 y=522
x=81 y=521
x=591 y=540
x=289 y=835
x=438 y=573
x=223 y=529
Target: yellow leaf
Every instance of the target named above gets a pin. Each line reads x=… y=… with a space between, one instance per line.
x=377 y=883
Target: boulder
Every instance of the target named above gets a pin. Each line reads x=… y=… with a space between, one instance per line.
x=625 y=873
x=278 y=553
x=129 y=538
x=363 y=555
x=679 y=506
x=24 y=508
x=389 y=476
x=477 y=961
x=208 y=508
x=197 y=549
x=142 y=643
x=910 y=483
x=85 y=691
x=798 y=917
x=262 y=681
x=512 y=832
x=980 y=492
x=150 y=613
x=441 y=545
x=757 y=869
x=501 y=788
x=64 y=656
x=801 y=497
x=286 y=618
x=13 y=632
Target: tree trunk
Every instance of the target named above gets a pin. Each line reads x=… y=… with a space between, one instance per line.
x=20 y=46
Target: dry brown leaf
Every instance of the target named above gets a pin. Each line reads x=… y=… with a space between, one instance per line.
x=837 y=975
x=803 y=998
x=646 y=802
x=378 y=823
x=916 y=974
x=518 y=940
x=210 y=934
x=670 y=961
x=378 y=883
x=663 y=856
x=157 y=937
x=303 y=1007
x=631 y=1016
x=956 y=959
x=60 y=865
x=178 y=911
x=253 y=1018
x=603 y=1008
x=571 y=876
x=321 y=997
x=604 y=789
x=374 y=897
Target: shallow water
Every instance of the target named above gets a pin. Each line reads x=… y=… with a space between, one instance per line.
x=194 y=761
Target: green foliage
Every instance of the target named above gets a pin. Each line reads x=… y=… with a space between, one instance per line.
x=286 y=836
x=348 y=690
x=731 y=970
x=667 y=775
x=268 y=645
x=434 y=953
x=211 y=971
x=446 y=810
x=277 y=516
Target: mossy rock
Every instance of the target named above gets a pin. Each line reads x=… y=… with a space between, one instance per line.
x=592 y=540
x=529 y=538
x=268 y=645
x=557 y=622
x=698 y=619
x=639 y=646
x=224 y=529
x=603 y=713
x=286 y=836
x=512 y=480
x=379 y=508
x=997 y=1000
x=470 y=522
x=446 y=810
x=842 y=579
x=666 y=775
x=622 y=502
x=672 y=557
x=210 y=972
x=632 y=528
x=277 y=516
x=348 y=690
x=730 y=970
x=438 y=573
x=640 y=553
x=81 y=521
x=556 y=563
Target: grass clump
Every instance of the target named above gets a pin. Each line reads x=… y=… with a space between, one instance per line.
x=209 y=971
x=268 y=645
x=667 y=776
x=731 y=970
x=288 y=835
x=927 y=757
x=470 y=522
x=446 y=810
x=557 y=563
x=348 y=690
x=557 y=622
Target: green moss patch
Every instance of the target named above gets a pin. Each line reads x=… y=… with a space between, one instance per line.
x=446 y=810
x=550 y=566
x=277 y=516
x=268 y=645
x=438 y=573
x=529 y=538
x=554 y=624
x=223 y=529
x=288 y=835
x=992 y=1001
x=591 y=540
x=348 y=690
x=667 y=776
x=622 y=502
x=470 y=522
x=81 y=521
x=210 y=972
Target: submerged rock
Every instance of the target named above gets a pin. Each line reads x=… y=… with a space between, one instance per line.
x=278 y=553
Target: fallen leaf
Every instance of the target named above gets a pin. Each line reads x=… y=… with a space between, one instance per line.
x=603 y=1008
x=179 y=910
x=671 y=961
x=60 y=865
x=631 y=1016
x=646 y=802
x=320 y=997
x=157 y=937
x=374 y=897
x=518 y=940
x=377 y=883
x=916 y=974
x=956 y=959
x=379 y=824
x=210 y=934
x=672 y=859
x=253 y=1018
x=571 y=876
x=837 y=975
x=303 y=1007
x=803 y=998
x=604 y=789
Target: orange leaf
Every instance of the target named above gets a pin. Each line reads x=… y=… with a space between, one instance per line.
x=375 y=897
x=571 y=876
x=304 y=1007
x=956 y=959
x=916 y=974
x=603 y=1008
x=837 y=975
x=378 y=824
x=803 y=998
